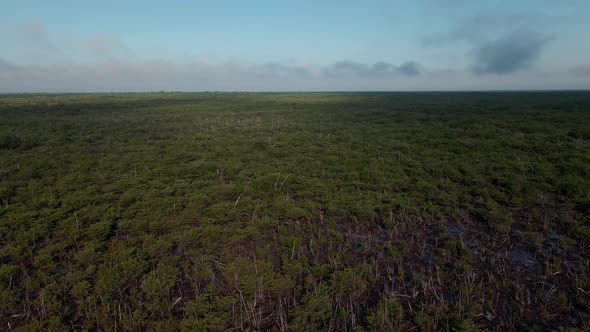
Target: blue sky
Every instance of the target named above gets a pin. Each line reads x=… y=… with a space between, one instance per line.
x=73 y=46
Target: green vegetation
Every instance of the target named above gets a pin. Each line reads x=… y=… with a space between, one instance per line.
x=325 y=211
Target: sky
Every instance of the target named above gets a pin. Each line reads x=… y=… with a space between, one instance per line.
x=299 y=45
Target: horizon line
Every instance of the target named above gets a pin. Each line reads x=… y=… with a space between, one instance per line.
x=293 y=91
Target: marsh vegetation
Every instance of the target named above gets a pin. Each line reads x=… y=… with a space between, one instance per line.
x=323 y=211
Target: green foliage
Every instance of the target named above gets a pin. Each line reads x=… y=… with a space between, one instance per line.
x=348 y=283
x=388 y=315
x=10 y=142
x=583 y=233
x=276 y=211
x=159 y=282
x=456 y=248
x=8 y=273
x=314 y=312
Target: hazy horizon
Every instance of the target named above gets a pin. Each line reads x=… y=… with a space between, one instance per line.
x=270 y=46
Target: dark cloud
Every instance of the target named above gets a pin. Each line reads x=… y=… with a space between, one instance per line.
x=497 y=44
x=410 y=68
x=276 y=69
x=383 y=67
x=379 y=69
x=350 y=68
x=510 y=53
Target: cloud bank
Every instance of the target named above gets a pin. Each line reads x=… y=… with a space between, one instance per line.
x=121 y=75
x=509 y=53
x=201 y=74
x=582 y=70
x=498 y=56
x=381 y=69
